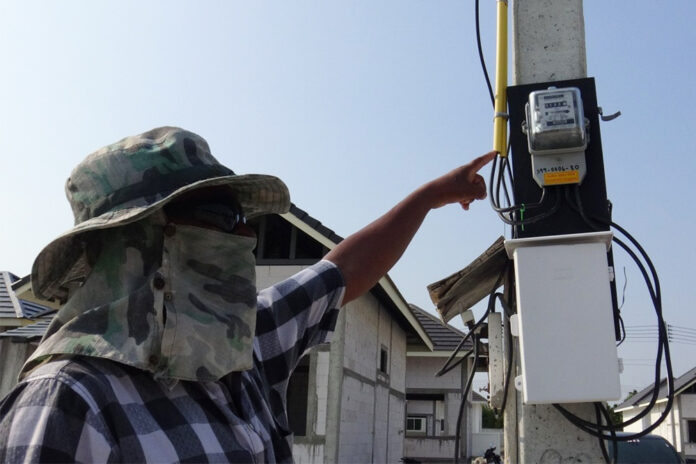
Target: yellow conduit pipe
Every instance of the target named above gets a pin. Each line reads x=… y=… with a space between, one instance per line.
x=500 y=118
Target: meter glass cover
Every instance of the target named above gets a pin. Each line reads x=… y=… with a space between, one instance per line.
x=555 y=121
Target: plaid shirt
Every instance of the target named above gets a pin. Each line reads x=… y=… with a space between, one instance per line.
x=79 y=409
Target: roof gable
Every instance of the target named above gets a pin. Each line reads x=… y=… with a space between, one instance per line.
x=642 y=398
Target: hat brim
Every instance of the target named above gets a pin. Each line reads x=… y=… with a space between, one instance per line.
x=56 y=264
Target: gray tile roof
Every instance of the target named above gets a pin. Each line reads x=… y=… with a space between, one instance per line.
x=444 y=336
x=681 y=383
x=315 y=224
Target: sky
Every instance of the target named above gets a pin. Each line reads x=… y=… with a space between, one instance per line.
x=354 y=105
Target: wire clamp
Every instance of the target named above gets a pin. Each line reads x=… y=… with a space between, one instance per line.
x=609 y=117
x=498 y=114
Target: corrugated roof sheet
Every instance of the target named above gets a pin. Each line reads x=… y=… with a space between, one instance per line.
x=8 y=307
x=28 y=332
x=13 y=308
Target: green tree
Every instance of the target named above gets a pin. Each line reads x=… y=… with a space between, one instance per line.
x=490 y=419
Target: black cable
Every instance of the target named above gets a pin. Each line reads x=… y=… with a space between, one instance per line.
x=465 y=393
x=510 y=360
x=615 y=444
x=623 y=332
x=480 y=52
x=663 y=345
x=602 y=446
x=546 y=214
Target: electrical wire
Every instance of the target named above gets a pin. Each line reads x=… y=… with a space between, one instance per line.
x=480 y=52
x=653 y=284
x=505 y=168
x=601 y=410
x=465 y=393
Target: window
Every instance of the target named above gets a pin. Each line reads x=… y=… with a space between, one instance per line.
x=415 y=424
x=691 y=425
x=383 y=360
x=298 y=390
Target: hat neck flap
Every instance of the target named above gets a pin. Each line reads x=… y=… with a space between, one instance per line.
x=178 y=301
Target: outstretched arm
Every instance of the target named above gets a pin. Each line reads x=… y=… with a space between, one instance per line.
x=368 y=254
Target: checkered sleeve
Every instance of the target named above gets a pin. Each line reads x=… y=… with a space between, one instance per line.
x=47 y=420
x=295 y=315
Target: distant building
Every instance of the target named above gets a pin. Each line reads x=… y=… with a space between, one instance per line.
x=22 y=324
x=679 y=427
x=432 y=403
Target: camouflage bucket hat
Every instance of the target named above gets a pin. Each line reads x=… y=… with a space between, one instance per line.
x=131 y=179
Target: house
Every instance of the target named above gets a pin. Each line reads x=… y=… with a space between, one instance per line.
x=433 y=403
x=347 y=399
x=679 y=428
x=20 y=320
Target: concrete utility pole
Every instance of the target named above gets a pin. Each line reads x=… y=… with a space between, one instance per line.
x=548 y=40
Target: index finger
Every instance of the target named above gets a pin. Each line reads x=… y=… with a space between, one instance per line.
x=482 y=160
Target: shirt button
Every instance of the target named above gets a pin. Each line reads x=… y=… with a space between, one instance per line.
x=158 y=282
x=168 y=296
x=169 y=230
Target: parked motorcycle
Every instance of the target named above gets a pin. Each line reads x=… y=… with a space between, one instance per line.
x=491 y=457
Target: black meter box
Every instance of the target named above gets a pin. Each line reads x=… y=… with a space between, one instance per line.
x=592 y=189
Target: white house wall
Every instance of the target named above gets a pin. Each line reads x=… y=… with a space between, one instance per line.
x=422 y=370
x=687 y=405
x=669 y=429
x=270 y=275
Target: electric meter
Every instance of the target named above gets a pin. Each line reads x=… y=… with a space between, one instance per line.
x=555 y=121
x=557 y=136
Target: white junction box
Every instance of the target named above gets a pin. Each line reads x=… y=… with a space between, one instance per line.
x=566 y=325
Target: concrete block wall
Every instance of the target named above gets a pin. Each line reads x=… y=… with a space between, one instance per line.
x=381 y=424
x=12 y=357
x=321 y=392
x=372 y=406
x=361 y=342
x=452 y=402
x=397 y=427
x=356 y=433
x=359 y=413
